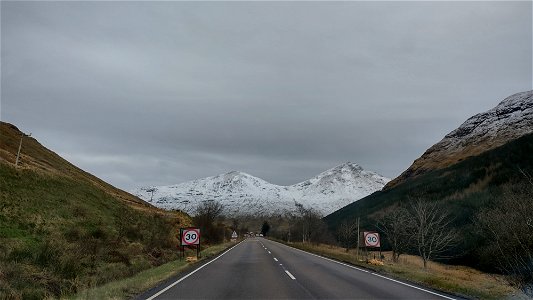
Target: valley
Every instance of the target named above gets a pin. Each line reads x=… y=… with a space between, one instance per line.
x=48 y=205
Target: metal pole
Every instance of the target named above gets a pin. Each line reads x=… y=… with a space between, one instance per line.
x=357 y=252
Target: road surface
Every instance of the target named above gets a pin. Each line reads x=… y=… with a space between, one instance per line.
x=258 y=268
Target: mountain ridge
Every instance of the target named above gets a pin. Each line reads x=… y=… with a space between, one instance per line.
x=512 y=118
x=327 y=191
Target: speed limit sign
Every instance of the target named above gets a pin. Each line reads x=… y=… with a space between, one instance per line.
x=190 y=236
x=372 y=239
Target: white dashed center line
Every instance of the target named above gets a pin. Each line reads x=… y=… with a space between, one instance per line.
x=290 y=275
x=275 y=259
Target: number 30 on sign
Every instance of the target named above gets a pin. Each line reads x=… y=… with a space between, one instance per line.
x=372 y=239
x=190 y=236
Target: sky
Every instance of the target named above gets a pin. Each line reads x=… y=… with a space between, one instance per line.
x=158 y=93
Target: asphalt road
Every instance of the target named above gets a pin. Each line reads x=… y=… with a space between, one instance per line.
x=261 y=269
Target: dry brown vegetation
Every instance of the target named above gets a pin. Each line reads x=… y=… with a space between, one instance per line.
x=434 y=158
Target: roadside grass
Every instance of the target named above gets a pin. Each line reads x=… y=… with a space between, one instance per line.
x=459 y=280
x=142 y=281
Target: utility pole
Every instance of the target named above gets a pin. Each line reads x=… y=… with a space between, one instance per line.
x=20 y=146
x=357 y=252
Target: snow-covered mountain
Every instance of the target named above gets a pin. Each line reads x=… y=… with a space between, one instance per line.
x=244 y=194
x=509 y=120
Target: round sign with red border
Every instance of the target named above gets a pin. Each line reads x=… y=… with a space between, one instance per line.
x=372 y=239
x=190 y=236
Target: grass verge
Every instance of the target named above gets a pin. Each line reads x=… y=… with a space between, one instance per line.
x=459 y=280
x=129 y=287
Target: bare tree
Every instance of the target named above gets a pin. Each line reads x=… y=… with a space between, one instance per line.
x=431 y=230
x=206 y=214
x=290 y=220
x=527 y=176
x=303 y=220
x=235 y=224
x=347 y=233
x=507 y=224
x=397 y=227
x=313 y=228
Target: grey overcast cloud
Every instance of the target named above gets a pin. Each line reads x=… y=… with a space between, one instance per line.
x=157 y=93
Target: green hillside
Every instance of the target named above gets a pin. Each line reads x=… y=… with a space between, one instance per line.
x=465 y=188
x=63 y=230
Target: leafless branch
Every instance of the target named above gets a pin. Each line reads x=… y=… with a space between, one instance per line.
x=431 y=230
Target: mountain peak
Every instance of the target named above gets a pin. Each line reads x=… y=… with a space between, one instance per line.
x=349 y=166
x=518 y=99
x=243 y=194
x=235 y=174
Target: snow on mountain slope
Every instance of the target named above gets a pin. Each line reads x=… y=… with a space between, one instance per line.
x=244 y=194
x=338 y=187
x=509 y=120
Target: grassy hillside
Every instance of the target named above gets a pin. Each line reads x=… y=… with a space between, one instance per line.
x=63 y=230
x=464 y=188
x=37 y=157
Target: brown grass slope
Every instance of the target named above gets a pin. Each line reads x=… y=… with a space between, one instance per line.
x=35 y=156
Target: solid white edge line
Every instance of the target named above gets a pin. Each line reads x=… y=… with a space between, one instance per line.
x=371 y=273
x=290 y=275
x=196 y=270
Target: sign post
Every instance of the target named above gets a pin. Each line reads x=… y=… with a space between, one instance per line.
x=372 y=240
x=190 y=237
